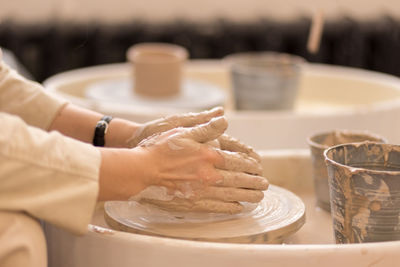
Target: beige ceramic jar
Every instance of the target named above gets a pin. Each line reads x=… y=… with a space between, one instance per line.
x=157 y=68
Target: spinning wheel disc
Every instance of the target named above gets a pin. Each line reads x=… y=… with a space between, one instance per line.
x=278 y=215
x=195 y=95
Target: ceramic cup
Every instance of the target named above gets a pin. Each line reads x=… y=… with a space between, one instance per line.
x=323 y=140
x=157 y=68
x=264 y=80
x=364 y=183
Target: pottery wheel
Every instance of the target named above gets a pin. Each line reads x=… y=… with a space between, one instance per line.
x=280 y=214
x=195 y=95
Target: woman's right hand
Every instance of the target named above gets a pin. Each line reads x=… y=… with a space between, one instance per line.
x=162 y=159
x=181 y=157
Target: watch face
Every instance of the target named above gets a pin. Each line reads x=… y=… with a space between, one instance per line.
x=102 y=125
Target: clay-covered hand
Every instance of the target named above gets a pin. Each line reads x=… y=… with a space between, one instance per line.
x=180 y=154
x=164 y=124
x=236 y=178
x=229 y=143
x=224 y=197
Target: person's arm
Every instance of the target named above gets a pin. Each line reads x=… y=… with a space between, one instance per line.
x=26 y=99
x=80 y=123
x=59 y=179
x=196 y=175
x=47 y=175
x=56 y=178
x=175 y=155
x=38 y=107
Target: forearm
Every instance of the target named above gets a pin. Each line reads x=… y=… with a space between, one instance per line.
x=80 y=123
x=120 y=173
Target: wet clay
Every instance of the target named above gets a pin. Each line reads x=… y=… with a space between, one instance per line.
x=365 y=201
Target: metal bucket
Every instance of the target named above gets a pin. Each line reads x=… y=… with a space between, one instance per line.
x=364 y=180
x=318 y=143
x=264 y=80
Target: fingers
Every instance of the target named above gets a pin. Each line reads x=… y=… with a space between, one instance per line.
x=242 y=180
x=193 y=119
x=204 y=205
x=238 y=162
x=171 y=122
x=213 y=143
x=231 y=144
x=236 y=187
x=230 y=194
x=208 y=131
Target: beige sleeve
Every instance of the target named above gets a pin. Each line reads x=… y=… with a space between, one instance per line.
x=50 y=176
x=27 y=99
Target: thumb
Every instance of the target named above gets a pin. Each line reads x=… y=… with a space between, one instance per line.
x=208 y=131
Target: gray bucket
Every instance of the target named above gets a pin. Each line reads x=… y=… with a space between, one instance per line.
x=318 y=143
x=364 y=180
x=264 y=80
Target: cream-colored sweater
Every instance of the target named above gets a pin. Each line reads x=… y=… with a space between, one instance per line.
x=47 y=175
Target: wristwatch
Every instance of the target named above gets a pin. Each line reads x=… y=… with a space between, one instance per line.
x=101 y=130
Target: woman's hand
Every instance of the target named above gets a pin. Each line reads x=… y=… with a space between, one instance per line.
x=236 y=178
x=182 y=154
x=162 y=159
x=181 y=161
x=175 y=121
x=225 y=142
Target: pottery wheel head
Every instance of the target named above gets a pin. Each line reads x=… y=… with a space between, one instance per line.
x=280 y=214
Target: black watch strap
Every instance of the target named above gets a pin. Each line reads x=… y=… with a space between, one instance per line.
x=101 y=130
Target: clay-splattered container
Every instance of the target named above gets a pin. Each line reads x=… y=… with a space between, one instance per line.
x=264 y=80
x=364 y=181
x=318 y=143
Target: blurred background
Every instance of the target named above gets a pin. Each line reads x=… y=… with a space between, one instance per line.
x=51 y=36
